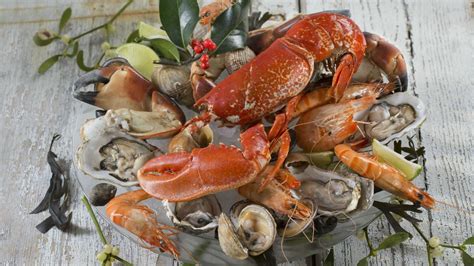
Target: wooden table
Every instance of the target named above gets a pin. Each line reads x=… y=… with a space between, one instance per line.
x=435 y=37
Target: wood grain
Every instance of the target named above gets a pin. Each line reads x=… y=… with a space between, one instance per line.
x=433 y=36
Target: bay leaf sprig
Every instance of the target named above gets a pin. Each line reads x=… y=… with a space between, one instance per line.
x=71 y=49
x=56 y=199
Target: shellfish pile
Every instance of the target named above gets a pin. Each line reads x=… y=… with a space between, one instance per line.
x=289 y=190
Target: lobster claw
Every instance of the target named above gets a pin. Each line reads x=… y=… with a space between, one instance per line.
x=185 y=176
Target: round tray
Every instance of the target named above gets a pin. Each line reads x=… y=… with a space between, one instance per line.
x=205 y=248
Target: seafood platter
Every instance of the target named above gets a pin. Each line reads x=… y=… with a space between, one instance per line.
x=266 y=153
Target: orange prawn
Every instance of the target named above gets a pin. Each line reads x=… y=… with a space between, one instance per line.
x=125 y=211
x=385 y=176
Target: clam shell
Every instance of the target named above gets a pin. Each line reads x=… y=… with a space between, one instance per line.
x=229 y=240
x=196 y=216
x=256 y=229
x=397 y=99
x=187 y=141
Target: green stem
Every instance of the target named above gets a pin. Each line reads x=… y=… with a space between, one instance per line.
x=94 y=219
x=430 y=259
x=165 y=61
x=366 y=233
x=451 y=246
x=106 y=23
x=97 y=65
x=121 y=260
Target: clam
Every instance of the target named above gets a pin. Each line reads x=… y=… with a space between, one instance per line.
x=175 y=82
x=107 y=153
x=196 y=216
x=253 y=232
x=189 y=139
x=393 y=116
x=336 y=194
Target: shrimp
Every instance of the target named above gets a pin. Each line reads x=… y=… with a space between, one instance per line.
x=385 y=176
x=276 y=195
x=125 y=211
x=322 y=128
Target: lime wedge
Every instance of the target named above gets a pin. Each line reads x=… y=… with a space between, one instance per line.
x=320 y=159
x=150 y=32
x=389 y=156
x=139 y=56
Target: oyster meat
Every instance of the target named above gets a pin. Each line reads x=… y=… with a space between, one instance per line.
x=196 y=216
x=393 y=116
x=336 y=194
x=107 y=153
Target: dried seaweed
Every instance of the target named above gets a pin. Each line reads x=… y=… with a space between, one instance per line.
x=388 y=209
x=56 y=198
x=414 y=154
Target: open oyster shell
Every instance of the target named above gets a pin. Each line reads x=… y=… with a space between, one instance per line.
x=253 y=232
x=336 y=194
x=107 y=153
x=196 y=216
x=393 y=116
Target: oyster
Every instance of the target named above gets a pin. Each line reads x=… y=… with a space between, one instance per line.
x=393 y=116
x=253 y=232
x=107 y=153
x=336 y=195
x=196 y=216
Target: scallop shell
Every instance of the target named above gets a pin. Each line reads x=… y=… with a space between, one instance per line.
x=196 y=216
x=397 y=99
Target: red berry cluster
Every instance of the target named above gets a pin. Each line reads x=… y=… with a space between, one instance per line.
x=202 y=47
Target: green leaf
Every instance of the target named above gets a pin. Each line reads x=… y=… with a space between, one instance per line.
x=80 y=62
x=48 y=63
x=469 y=241
x=230 y=29
x=467 y=259
x=329 y=261
x=179 y=17
x=363 y=262
x=393 y=240
x=74 y=51
x=165 y=48
x=133 y=37
x=65 y=18
x=44 y=37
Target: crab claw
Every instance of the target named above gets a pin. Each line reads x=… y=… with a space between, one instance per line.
x=186 y=176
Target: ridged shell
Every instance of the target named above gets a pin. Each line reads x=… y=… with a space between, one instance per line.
x=174 y=81
x=236 y=59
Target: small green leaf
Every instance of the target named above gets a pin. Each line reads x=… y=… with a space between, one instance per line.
x=133 y=37
x=230 y=30
x=469 y=241
x=65 y=18
x=467 y=259
x=80 y=62
x=329 y=261
x=363 y=262
x=74 y=51
x=179 y=18
x=393 y=240
x=165 y=48
x=44 y=37
x=48 y=63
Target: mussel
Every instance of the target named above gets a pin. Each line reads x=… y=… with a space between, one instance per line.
x=252 y=233
x=196 y=216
